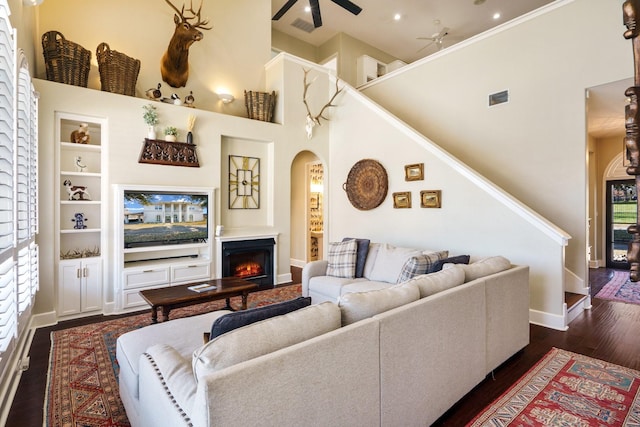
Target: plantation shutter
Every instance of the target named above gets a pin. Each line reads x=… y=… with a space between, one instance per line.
x=6 y=133
x=23 y=154
x=8 y=297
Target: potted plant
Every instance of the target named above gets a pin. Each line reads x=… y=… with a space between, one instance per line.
x=170 y=134
x=150 y=117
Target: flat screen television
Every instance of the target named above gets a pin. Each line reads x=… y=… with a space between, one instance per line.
x=156 y=218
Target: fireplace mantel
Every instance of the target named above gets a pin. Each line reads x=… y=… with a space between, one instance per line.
x=241 y=234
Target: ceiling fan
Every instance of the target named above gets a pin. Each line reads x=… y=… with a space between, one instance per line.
x=436 y=38
x=315 y=9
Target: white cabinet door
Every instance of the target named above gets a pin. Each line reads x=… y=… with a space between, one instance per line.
x=69 y=285
x=79 y=286
x=91 y=292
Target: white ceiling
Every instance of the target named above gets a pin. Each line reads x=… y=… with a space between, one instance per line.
x=376 y=26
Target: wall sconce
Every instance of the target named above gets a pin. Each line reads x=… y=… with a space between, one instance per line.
x=226 y=98
x=32 y=2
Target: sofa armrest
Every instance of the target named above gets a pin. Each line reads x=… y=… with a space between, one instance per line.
x=312 y=269
x=167 y=387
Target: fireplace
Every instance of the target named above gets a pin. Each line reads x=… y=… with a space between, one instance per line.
x=250 y=260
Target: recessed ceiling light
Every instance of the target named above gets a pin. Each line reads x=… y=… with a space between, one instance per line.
x=397 y=17
x=496 y=15
x=307 y=9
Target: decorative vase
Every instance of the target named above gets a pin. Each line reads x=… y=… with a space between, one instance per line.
x=151 y=132
x=170 y=138
x=189 y=138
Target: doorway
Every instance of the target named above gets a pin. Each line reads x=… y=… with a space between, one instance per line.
x=622 y=208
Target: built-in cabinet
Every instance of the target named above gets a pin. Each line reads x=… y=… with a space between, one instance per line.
x=157 y=265
x=315 y=217
x=81 y=208
x=369 y=68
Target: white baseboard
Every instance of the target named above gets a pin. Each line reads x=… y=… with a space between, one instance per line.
x=548 y=320
x=596 y=263
x=283 y=278
x=44 y=319
x=109 y=308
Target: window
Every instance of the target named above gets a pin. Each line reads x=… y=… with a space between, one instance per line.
x=19 y=279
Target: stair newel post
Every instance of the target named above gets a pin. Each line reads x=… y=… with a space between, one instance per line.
x=630 y=12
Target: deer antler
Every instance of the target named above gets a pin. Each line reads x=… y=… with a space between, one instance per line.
x=183 y=18
x=317 y=118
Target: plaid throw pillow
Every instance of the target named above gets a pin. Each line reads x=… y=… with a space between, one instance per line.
x=420 y=264
x=342 y=259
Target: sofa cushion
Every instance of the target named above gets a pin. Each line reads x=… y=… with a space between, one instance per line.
x=342 y=259
x=460 y=259
x=389 y=262
x=238 y=319
x=432 y=283
x=484 y=267
x=329 y=286
x=361 y=305
x=361 y=254
x=265 y=337
x=420 y=264
x=364 y=286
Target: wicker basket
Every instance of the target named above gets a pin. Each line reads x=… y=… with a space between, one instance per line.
x=260 y=105
x=65 y=61
x=118 y=72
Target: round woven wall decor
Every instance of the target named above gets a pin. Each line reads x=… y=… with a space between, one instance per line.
x=367 y=184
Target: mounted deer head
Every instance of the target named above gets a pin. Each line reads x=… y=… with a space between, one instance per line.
x=175 y=61
x=312 y=120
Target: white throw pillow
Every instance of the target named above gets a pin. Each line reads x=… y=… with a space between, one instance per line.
x=389 y=262
x=266 y=336
x=362 y=305
x=432 y=283
x=342 y=259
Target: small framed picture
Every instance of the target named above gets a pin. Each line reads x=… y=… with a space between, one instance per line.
x=402 y=200
x=430 y=199
x=414 y=172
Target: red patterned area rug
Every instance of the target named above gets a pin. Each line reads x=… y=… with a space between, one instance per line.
x=568 y=389
x=620 y=288
x=82 y=385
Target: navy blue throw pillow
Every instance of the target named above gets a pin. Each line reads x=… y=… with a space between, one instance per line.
x=361 y=254
x=237 y=319
x=460 y=259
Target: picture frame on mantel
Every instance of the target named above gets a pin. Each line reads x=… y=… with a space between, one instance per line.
x=414 y=172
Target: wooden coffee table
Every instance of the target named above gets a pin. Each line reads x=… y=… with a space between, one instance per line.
x=171 y=297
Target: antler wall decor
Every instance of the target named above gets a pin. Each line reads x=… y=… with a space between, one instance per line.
x=630 y=10
x=174 y=66
x=312 y=120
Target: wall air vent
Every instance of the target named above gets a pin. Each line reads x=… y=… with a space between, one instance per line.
x=498 y=98
x=303 y=25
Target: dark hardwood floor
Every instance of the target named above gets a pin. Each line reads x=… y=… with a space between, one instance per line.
x=609 y=331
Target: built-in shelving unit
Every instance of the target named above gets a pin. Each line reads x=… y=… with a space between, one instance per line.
x=80 y=212
x=315 y=218
x=154 y=266
x=368 y=68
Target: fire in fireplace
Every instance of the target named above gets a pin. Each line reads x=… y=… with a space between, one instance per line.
x=249 y=259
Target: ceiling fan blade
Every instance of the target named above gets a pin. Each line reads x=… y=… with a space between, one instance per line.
x=443 y=32
x=350 y=6
x=315 y=12
x=284 y=9
x=424 y=47
x=425 y=38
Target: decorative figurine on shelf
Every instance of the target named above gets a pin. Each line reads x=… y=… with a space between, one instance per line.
x=80 y=166
x=154 y=94
x=79 y=219
x=76 y=192
x=191 y=121
x=81 y=135
x=150 y=117
x=170 y=134
x=189 y=100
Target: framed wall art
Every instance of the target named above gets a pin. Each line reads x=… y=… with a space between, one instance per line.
x=414 y=172
x=244 y=182
x=430 y=199
x=402 y=200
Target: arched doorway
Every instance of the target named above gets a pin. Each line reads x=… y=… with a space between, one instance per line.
x=307 y=208
x=620 y=207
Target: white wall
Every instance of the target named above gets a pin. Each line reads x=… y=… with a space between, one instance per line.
x=231 y=55
x=535 y=146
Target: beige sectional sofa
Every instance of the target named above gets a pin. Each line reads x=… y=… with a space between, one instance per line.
x=401 y=355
